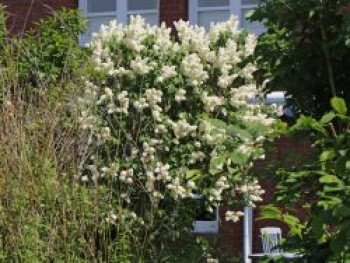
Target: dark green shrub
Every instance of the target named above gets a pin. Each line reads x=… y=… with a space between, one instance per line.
x=50 y=52
x=304 y=51
x=322 y=187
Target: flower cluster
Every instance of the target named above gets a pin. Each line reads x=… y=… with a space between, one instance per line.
x=170 y=119
x=252 y=191
x=233 y=216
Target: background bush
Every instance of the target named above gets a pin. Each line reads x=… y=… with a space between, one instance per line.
x=304 y=51
x=50 y=52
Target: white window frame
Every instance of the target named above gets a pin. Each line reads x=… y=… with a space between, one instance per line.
x=208 y=227
x=121 y=14
x=235 y=7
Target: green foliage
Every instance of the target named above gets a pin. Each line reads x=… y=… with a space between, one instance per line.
x=304 y=51
x=47 y=214
x=51 y=51
x=323 y=189
x=3 y=30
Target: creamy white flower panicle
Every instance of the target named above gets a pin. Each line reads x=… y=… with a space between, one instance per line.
x=193 y=69
x=182 y=129
x=253 y=191
x=126 y=176
x=211 y=102
x=123 y=102
x=167 y=73
x=233 y=216
x=241 y=96
x=140 y=66
x=155 y=113
x=163 y=41
x=250 y=44
x=177 y=190
x=197 y=156
x=180 y=95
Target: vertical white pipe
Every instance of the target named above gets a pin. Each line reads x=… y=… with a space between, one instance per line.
x=247 y=234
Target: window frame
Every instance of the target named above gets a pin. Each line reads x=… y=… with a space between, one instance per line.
x=121 y=14
x=235 y=7
x=206 y=227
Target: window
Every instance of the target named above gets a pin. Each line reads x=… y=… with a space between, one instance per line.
x=205 y=222
x=205 y=12
x=99 y=12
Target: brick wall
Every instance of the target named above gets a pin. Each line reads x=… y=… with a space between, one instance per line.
x=23 y=13
x=173 y=10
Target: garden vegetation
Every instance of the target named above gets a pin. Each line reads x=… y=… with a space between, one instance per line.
x=103 y=150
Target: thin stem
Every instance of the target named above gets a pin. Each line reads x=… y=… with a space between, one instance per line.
x=328 y=62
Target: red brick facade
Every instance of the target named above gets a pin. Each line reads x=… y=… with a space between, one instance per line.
x=173 y=10
x=22 y=15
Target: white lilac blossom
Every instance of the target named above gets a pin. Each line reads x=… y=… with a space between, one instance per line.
x=211 y=102
x=167 y=73
x=233 y=216
x=193 y=69
x=140 y=66
x=164 y=116
x=180 y=95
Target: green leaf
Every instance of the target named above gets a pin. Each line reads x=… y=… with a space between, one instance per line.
x=311 y=13
x=270 y=212
x=194 y=175
x=317 y=226
x=327 y=118
x=339 y=242
x=218 y=123
x=327 y=155
x=347 y=165
x=239 y=158
x=329 y=179
x=339 y=105
x=217 y=161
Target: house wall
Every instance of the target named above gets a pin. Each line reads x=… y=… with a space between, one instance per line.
x=22 y=15
x=173 y=10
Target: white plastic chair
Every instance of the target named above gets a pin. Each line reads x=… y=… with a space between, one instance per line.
x=271 y=237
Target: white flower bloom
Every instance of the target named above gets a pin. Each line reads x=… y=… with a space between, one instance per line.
x=180 y=95
x=182 y=128
x=250 y=43
x=233 y=216
x=197 y=156
x=123 y=102
x=193 y=69
x=84 y=179
x=140 y=66
x=211 y=102
x=167 y=73
x=144 y=104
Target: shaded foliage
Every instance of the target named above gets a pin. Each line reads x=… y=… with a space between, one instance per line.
x=50 y=51
x=322 y=187
x=304 y=51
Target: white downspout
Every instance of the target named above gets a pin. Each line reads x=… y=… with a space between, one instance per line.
x=247 y=234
